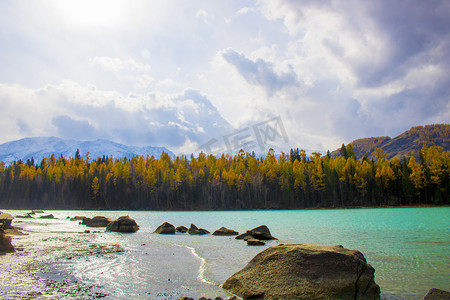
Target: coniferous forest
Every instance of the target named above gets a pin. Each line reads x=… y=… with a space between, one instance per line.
x=288 y=181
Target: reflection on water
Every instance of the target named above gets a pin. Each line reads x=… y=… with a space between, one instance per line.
x=407 y=247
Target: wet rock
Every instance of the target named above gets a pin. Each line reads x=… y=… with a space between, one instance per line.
x=260 y=233
x=305 y=272
x=123 y=224
x=225 y=231
x=197 y=231
x=181 y=229
x=5 y=220
x=165 y=228
x=97 y=221
x=5 y=243
x=245 y=235
x=50 y=216
x=255 y=242
x=437 y=294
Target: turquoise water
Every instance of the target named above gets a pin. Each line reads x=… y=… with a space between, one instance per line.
x=408 y=247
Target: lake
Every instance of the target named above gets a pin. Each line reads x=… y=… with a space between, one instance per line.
x=408 y=247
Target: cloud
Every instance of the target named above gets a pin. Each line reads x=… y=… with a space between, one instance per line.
x=153 y=119
x=74 y=129
x=126 y=70
x=260 y=72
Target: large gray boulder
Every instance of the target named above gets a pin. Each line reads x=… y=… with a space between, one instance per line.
x=165 y=228
x=123 y=224
x=305 y=272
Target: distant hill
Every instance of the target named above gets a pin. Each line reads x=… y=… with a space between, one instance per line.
x=40 y=147
x=406 y=144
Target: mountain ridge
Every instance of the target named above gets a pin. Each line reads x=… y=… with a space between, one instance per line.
x=40 y=147
x=406 y=144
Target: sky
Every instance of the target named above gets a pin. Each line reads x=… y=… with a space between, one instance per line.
x=213 y=75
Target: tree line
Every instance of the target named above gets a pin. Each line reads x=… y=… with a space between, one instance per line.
x=290 y=181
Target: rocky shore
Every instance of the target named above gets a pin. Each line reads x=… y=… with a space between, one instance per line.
x=284 y=271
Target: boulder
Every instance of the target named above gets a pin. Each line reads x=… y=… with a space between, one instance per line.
x=302 y=271
x=37 y=211
x=50 y=216
x=5 y=243
x=245 y=235
x=77 y=218
x=255 y=242
x=437 y=294
x=5 y=220
x=225 y=231
x=260 y=233
x=97 y=221
x=165 y=228
x=194 y=230
x=123 y=224
x=181 y=229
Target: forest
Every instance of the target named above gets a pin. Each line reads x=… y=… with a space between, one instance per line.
x=288 y=181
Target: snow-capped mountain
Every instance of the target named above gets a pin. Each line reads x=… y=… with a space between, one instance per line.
x=40 y=147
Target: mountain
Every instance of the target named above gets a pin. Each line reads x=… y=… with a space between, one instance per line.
x=406 y=144
x=40 y=147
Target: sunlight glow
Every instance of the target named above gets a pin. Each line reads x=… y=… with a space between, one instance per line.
x=90 y=13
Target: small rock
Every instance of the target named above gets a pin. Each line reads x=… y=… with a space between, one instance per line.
x=50 y=216
x=87 y=231
x=165 y=228
x=198 y=231
x=123 y=224
x=182 y=229
x=98 y=221
x=225 y=231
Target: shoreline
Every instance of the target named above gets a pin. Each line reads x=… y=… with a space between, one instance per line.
x=226 y=210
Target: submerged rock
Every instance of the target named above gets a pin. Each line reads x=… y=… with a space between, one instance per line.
x=77 y=218
x=165 y=228
x=97 y=221
x=181 y=229
x=225 y=231
x=437 y=294
x=123 y=224
x=50 y=216
x=305 y=272
x=255 y=242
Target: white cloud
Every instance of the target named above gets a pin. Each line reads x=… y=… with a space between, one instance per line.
x=75 y=111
